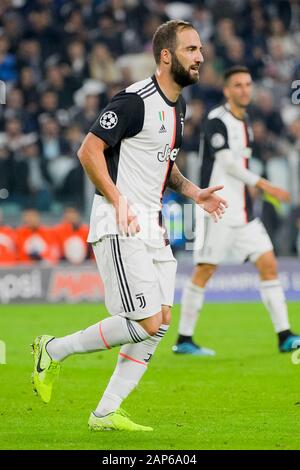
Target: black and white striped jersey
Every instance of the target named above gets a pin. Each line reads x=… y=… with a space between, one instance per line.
x=143 y=129
x=222 y=130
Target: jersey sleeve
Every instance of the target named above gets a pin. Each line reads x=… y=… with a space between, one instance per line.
x=216 y=135
x=123 y=117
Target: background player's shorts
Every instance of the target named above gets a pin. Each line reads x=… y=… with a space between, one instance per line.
x=233 y=244
x=137 y=278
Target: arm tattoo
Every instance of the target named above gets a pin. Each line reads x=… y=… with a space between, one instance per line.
x=177 y=181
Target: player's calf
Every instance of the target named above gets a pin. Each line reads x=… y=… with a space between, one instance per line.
x=192 y=302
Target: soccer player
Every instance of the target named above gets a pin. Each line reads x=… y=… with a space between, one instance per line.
x=225 y=150
x=129 y=154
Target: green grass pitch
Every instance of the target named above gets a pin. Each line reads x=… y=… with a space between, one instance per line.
x=246 y=397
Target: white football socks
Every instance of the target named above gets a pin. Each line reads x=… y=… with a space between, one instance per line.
x=131 y=366
x=274 y=300
x=272 y=296
x=110 y=332
x=191 y=305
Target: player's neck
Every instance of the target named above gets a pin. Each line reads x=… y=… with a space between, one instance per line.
x=170 y=88
x=237 y=111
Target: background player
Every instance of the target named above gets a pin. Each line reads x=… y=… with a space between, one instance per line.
x=129 y=155
x=225 y=151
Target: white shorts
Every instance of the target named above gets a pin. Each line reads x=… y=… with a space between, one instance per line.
x=234 y=244
x=137 y=278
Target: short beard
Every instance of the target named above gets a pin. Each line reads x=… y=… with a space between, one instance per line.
x=243 y=106
x=180 y=75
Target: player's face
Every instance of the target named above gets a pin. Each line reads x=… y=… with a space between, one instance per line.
x=187 y=58
x=239 y=89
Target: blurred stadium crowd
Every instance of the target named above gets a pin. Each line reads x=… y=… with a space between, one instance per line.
x=32 y=241
x=62 y=60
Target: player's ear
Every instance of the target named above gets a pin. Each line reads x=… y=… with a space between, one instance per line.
x=165 y=56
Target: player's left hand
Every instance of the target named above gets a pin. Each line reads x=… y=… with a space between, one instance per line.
x=280 y=194
x=211 y=203
x=275 y=191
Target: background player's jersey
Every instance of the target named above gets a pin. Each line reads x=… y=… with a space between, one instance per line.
x=222 y=130
x=144 y=131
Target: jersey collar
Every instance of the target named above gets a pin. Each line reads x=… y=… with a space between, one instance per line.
x=170 y=103
x=227 y=107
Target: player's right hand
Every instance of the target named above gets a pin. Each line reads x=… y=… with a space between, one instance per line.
x=127 y=221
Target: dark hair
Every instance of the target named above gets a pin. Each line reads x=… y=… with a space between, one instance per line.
x=233 y=70
x=165 y=36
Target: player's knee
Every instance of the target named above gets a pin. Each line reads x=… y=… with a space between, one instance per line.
x=269 y=273
x=152 y=324
x=152 y=328
x=267 y=267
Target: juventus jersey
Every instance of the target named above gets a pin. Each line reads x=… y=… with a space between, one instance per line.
x=222 y=130
x=143 y=129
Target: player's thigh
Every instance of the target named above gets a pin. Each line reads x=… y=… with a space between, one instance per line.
x=165 y=266
x=130 y=282
x=106 y=268
x=252 y=241
x=216 y=243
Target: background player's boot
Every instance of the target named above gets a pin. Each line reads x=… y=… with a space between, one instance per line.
x=189 y=347
x=116 y=421
x=290 y=343
x=45 y=370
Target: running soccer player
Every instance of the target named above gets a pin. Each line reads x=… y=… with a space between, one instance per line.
x=129 y=154
x=225 y=150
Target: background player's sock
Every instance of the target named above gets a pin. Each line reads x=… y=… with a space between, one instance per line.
x=283 y=335
x=132 y=364
x=113 y=331
x=184 y=339
x=191 y=304
x=274 y=300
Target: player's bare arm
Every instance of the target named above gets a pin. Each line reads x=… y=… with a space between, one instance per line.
x=91 y=156
x=211 y=203
x=238 y=92
x=279 y=193
x=226 y=159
